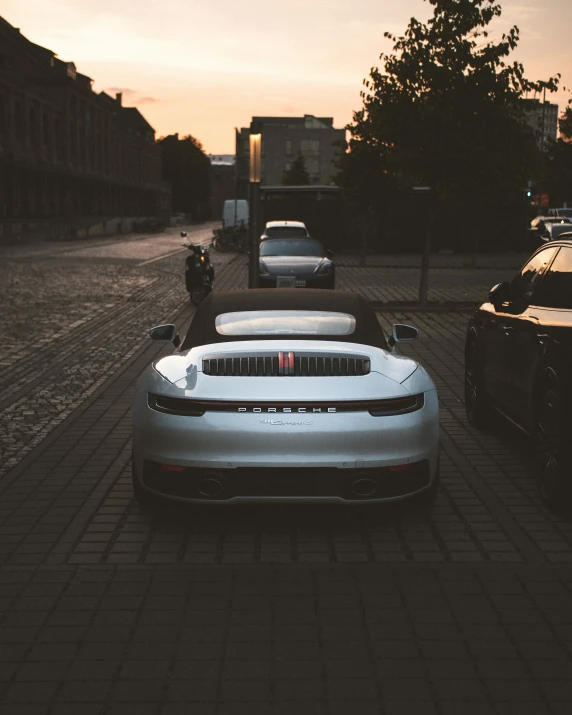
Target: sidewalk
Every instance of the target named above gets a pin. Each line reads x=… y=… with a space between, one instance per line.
x=459 y=609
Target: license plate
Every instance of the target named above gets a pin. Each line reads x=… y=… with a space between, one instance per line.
x=285 y=282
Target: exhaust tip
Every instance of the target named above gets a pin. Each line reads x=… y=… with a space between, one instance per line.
x=210 y=487
x=364 y=487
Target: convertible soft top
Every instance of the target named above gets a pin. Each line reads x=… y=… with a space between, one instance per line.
x=203 y=331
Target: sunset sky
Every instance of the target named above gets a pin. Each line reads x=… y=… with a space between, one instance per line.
x=203 y=67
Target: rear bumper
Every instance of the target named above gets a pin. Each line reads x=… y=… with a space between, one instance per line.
x=318 y=455
x=270 y=485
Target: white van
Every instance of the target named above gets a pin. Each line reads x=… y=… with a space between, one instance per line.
x=235 y=214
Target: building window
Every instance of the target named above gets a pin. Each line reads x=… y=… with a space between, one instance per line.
x=310 y=146
x=288 y=147
x=46 y=130
x=18 y=121
x=33 y=126
x=313 y=166
x=3 y=122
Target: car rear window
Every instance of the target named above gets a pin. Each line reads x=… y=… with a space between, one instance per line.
x=291 y=247
x=285 y=322
x=286 y=232
x=559 y=228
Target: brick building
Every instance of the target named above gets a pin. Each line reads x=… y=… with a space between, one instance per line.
x=542 y=117
x=283 y=138
x=223 y=182
x=67 y=154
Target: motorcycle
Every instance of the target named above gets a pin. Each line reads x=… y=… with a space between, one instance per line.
x=199 y=272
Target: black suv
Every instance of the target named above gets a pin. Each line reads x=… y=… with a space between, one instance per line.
x=518 y=360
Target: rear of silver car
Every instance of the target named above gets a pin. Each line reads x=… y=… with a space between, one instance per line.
x=257 y=422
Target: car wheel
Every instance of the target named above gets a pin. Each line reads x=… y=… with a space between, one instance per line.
x=145 y=500
x=477 y=404
x=554 y=460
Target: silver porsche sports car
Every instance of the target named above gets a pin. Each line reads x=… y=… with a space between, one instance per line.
x=290 y=395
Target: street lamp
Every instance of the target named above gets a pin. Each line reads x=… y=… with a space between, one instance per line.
x=255 y=144
x=255 y=150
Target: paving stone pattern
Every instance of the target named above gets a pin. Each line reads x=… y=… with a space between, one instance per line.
x=463 y=607
x=66 y=326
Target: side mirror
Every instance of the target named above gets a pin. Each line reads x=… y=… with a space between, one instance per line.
x=402 y=334
x=500 y=294
x=183 y=234
x=165 y=334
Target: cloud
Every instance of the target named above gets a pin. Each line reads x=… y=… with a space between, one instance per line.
x=124 y=90
x=131 y=95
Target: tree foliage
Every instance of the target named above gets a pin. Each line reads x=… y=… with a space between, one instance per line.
x=297 y=174
x=565 y=122
x=187 y=168
x=445 y=112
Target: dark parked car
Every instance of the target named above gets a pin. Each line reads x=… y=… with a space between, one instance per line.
x=547 y=228
x=295 y=263
x=518 y=360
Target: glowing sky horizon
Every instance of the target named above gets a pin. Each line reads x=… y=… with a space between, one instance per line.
x=205 y=67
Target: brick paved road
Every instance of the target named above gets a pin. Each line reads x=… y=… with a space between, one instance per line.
x=465 y=607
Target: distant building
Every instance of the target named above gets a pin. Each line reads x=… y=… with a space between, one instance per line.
x=222 y=159
x=283 y=138
x=66 y=152
x=543 y=118
x=223 y=181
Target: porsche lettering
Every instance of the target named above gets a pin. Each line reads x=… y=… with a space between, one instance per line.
x=288 y=410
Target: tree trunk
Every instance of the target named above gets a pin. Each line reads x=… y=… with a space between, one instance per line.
x=424 y=281
x=364 y=230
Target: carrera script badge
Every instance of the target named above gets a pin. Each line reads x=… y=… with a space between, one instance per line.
x=285 y=422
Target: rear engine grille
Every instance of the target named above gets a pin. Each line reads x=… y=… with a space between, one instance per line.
x=303 y=366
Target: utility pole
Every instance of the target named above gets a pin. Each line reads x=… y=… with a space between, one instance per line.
x=428 y=202
x=542 y=139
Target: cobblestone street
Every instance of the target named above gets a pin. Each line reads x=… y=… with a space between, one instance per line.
x=460 y=608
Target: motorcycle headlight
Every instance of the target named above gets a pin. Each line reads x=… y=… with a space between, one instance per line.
x=262 y=269
x=325 y=268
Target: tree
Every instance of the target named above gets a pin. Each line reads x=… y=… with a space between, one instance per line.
x=565 y=122
x=297 y=174
x=187 y=168
x=446 y=113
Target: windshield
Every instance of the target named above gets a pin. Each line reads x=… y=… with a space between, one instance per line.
x=285 y=322
x=286 y=232
x=558 y=228
x=565 y=212
x=292 y=247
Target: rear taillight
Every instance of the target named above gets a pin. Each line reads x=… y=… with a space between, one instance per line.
x=397 y=406
x=172 y=468
x=401 y=467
